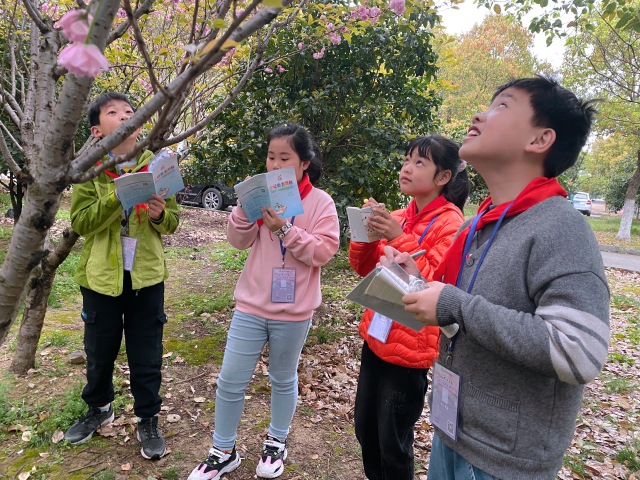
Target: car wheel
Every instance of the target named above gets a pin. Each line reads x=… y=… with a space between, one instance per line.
x=212 y=199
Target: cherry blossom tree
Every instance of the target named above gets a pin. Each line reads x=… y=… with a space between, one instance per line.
x=48 y=76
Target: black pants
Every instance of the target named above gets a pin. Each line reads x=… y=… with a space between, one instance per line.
x=141 y=315
x=389 y=401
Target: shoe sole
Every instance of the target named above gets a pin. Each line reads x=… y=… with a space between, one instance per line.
x=88 y=437
x=152 y=457
x=275 y=474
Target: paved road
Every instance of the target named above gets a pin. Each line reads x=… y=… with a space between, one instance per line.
x=621 y=260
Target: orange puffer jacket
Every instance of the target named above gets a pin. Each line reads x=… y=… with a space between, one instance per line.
x=404 y=346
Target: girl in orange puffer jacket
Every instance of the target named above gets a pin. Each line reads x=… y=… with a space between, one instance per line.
x=395 y=359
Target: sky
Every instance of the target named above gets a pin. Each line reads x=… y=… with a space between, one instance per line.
x=462 y=20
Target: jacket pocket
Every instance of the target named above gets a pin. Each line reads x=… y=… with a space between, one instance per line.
x=489 y=418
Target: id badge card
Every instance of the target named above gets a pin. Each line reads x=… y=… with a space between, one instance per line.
x=444 y=403
x=380 y=327
x=128 y=251
x=283 y=285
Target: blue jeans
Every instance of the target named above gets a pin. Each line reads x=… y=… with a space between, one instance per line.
x=247 y=336
x=446 y=464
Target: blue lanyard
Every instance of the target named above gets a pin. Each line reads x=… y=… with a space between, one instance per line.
x=469 y=241
x=283 y=249
x=424 y=233
x=467 y=247
x=426 y=229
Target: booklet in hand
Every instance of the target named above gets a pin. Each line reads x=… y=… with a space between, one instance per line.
x=277 y=189
x=360 y=230
x=382 y=291
x=162 y=178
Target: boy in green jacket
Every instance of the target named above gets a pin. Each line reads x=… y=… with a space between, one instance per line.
x=121 y=276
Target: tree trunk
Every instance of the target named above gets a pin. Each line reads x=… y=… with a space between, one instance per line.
x=39 y=289
x=629 y=208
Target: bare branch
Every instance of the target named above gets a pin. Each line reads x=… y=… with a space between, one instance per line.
x=35 y=16
x=141 y=45
x=13 y=166
x=143 y=9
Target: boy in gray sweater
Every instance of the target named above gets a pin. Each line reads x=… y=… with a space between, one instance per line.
x=524 y=280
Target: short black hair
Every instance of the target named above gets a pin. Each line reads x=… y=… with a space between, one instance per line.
x=93 y=112
x=303 y=144
x=443 y=152
x=558 y=108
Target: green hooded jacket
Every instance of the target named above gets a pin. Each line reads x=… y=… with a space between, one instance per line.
x=96 y=215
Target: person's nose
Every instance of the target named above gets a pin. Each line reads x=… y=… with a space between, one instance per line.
x=478 y=117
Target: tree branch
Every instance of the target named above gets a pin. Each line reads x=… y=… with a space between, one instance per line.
x=35 y=16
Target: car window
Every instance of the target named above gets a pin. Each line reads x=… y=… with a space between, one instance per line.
x=580 y=196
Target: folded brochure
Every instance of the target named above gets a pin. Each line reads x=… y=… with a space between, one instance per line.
x=163 y=178
x=382 y=291
x=277 y=189
x=360 y=230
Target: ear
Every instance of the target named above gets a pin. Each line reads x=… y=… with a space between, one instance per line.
x=305 y=164
x=443 y=177
x=543 y=141
x=96 y=132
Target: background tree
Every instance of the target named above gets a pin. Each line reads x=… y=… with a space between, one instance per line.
x=602 y=61
x=358 y=76
x=556 y=19
x=472 y=65
x=47 y=104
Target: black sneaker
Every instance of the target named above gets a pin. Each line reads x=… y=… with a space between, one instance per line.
x=153 y=445
x=83 y=429
x=274 y=453
x=217 y=464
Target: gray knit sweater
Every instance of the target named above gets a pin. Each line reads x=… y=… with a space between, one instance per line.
x=533 y=331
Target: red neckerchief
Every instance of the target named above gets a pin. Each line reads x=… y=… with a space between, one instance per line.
x=537 y=191
x=143 y=206
x=413 y=217
x=304 y=187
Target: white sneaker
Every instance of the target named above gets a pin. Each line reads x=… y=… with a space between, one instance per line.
x=217 y=464
x=274 y=453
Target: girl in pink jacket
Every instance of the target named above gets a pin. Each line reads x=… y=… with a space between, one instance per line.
x=278 y=290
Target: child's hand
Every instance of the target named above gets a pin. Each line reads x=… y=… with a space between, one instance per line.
x=272 y=220
x=423 y=303
x=383 y=223
x=156 y=207
x=401 y=258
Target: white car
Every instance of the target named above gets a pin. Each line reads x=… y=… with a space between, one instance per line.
x=582 y=202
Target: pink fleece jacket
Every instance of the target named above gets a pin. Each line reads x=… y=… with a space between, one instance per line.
x=311 y=243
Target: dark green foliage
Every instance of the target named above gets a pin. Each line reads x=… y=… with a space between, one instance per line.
x=362 y=102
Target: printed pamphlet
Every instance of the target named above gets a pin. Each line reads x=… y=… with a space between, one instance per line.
x=382 y=291
x=277 y=189
x=360 y=230
x=162 y=178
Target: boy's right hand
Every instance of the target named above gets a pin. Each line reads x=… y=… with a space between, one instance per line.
x=401 y=258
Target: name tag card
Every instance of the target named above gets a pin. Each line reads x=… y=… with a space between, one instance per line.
x=283 y=285
x=380 y=327
x=444 y=405
x=128 y=251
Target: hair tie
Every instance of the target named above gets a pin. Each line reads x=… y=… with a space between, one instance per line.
x=463 y=165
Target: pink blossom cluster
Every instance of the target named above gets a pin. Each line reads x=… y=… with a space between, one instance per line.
x=363 y=13
x=226 y=60
x=319 y=55
x=279 y=68
x=397 y=6
x=49 y=9
x=80 y=58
